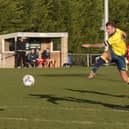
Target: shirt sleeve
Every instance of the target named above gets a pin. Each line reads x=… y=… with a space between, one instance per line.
x=122 y=33
x=106 y=45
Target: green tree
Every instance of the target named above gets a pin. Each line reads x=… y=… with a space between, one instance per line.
x=119 y=14
x=26 y=6
x=50 y=16
x=86 y=22
x=10 y=15
x=40 y=19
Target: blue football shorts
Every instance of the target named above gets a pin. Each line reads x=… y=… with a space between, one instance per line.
x=119 y=61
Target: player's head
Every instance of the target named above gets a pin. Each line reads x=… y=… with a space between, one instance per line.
x=32 y=51
x=110 y=27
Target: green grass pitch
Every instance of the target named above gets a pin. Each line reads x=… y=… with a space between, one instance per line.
x=63 y=99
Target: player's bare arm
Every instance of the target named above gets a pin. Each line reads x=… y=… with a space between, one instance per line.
x=97 y=45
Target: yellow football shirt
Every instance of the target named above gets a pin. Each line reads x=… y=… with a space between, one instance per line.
x=117 y=43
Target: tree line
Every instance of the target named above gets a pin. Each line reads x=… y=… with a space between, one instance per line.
x=82 y=19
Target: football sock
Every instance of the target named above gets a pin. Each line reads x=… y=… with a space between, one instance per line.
x=128 y=80
x=102 y=57
x=99 y=63
x=126 y=64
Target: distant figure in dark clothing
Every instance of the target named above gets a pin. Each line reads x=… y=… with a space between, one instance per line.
x=20 y=53
x=37 y=52
x=46 y=54
x=31 y=58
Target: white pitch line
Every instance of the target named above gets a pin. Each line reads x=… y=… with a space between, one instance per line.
x=46 y=120
x=13 y=118
x=63 y=121
x=85 y=109
x=62 y=108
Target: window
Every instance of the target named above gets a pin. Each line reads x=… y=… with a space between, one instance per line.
x=9 y=44
x=56 y=44
x=33 y=43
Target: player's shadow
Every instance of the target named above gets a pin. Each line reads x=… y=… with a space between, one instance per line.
x=56 y=100
x=1 y=109
x=98 y=93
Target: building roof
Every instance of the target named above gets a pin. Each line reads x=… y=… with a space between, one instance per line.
x=35 y=34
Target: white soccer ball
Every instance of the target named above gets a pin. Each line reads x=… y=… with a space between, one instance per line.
x=28 y=80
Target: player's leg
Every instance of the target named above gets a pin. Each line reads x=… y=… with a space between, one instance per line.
x=24 y=59
x=121 y=65
x=19 y=59
x=103 y=59
x=124 y=76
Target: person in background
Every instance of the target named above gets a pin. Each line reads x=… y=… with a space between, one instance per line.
x=45 y=57
x=46 y=54
x=37 y=52
x=20 y=53
x=31 y=58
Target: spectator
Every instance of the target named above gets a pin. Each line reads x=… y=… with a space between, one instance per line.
x=20 y=53
x=37 y=52
x=46 y=54
x=31 y=58
x=46 y=57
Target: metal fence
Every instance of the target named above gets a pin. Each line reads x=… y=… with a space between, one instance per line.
x=73 y=59
x=83 y=59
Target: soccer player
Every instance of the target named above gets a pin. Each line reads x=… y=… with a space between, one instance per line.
x=116 y=51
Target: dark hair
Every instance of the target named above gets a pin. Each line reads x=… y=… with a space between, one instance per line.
x=110 y=24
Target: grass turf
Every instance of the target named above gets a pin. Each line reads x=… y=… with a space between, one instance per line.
x=63 y=99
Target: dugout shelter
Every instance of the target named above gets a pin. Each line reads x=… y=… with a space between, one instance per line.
x=56 y=42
